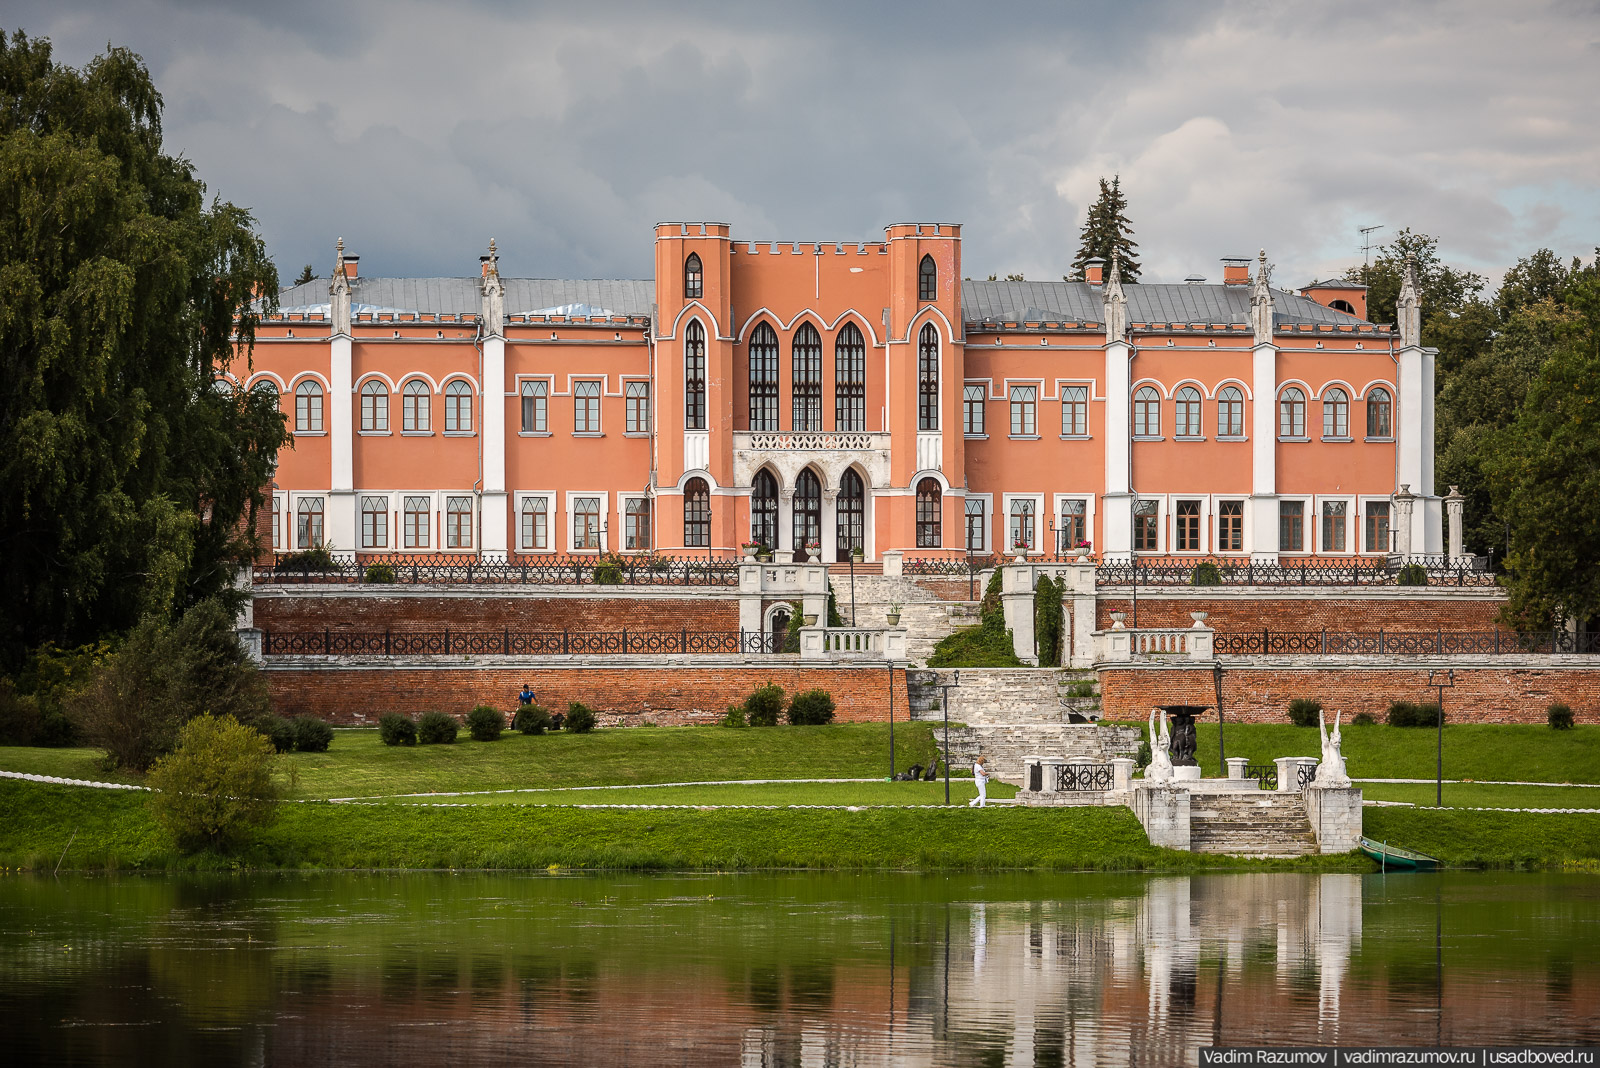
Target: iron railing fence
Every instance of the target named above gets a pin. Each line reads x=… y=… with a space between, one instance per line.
x=1071 y=777
x=579 y=570
x=1304 y=774
x=1214 y=571
x=1436 y=642
x=960 y=566
x=505 y=642
x=1266 y=775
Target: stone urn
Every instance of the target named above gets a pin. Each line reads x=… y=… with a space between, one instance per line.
x=894 y=619
x=809 y=619
x=857 y=554
x=1116 y=620
x=750 y=551
x=1199 y=619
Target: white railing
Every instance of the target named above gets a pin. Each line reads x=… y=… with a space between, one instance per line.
x=852 y=643
x=1191 y=643
x=810 y=442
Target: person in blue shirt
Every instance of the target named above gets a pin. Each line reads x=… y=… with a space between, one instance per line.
x=526 y=696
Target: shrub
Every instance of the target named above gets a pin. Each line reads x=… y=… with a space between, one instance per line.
x=580 y=718
x=811 y=708
x=436 y=728
x=608 y=572
x=396 y=729
x=1559 y=716
x=1142 y=759
x=278 y=731
x=1412 y=575
x=791 y=635
x=318 y=559
x=1206 y=573
x=1363 y=719
x=1411 y=714
x=991 y=611
x=216 y=786
x=764 y=706
x=379 y=573
x=531 y=719
x=485 y=724
x=1047 y=621
x=311 y=735
x=975 y=647
x=734 y=718
x=1303 y=711
x=834 y=618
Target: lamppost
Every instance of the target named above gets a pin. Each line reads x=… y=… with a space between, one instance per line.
x=1222 y=742
x=955 y=680
x=1445 y=679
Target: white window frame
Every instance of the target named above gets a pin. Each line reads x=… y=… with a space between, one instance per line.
x=1352 y=536
x=452 y=411
x=987 y=527
x=1244 y=413
x=1062 y=385
x=1040 y=521
x=1178 y=433
x=1160 y=502
x=571 y=521
x=1214 y=527
x=294 y=520
x=983 y=409
x=420 y=421
x=427 y=527
x=281 y=520
x=1362 y=500
x=650 y=513
x=1090 y=498
x=1331 y=388
x=552 y=507
x=472 y=522
x=1029 y=410
x=1205 y=522
x=1133 y=414
x=599 y=406
x=361 y=519
x=628 y=427
x=316 y=416
x=1309 y=516
x=527 y=388
x=363 y=394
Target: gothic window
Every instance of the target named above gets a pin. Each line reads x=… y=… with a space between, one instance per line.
x=1187 y=527
x=976 y=524
x=1230 y=527
x=1073 y=530
x=1230 y=413
x=1333 y=526
x=697 y=514
x=535 y=406
x=1187 y=412
x=1147 y=413
x=849 y=380
x=1291 y=526
x=851 y=524
x=694 y=377
x=1377 y=526
x=972 y=398
x=1291 y=413
x=458 y=408
x=374 y=522
x=928 y=379
x=1146 y=526
x=1075 y=411
x=636 y=523
x=692 y=285
x=1379 y=408
x=763 y=378
x=807 y=366
x=308 y=407
x=418 y=517
x=458 y=522
x=586 y=522
x=586 y=407
x=636 y=396
x=764 y=510
x=308 y=523
x=930 y=514
x=535 y=523
x=416 y=403
x=1022 y=524
x=374 y=407
x=807 y=524
x=1024 y=411
x=927 y=280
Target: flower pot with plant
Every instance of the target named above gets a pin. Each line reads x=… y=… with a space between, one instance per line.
x=894 y=615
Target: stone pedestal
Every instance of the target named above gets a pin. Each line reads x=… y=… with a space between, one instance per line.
x=1186 y=772
x=1121 y=773
x=1164 y=812
x=1335 y=817
x=1289 y=772
x=1236 y=766
x=1052 y=775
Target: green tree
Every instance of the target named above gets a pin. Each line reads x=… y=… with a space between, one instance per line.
x=217 y=786
x=1047 y=621
x=1544 y=476
x=307 y=274
x=128 y=484
x=1454 y=318
x=1107 y=232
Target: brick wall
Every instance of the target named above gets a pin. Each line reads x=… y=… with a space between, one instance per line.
x=1261 y=693
x=1231 y=615
x=668 y=695
x=954 y=589
x=435 y=612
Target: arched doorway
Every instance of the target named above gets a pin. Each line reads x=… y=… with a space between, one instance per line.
x=807 y=514
x=851 y=519
x=778 y=628
x=764 y=510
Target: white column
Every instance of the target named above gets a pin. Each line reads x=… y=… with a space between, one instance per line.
x=830 y=524
x=493 y=503
x=1430 y=534
x=1116 y=520
x=1263 y=532
x=1455 y=505
x=786 y=520
x=1413 y=414
x=341 y=521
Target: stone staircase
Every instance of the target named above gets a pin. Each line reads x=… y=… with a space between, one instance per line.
x=1250 y=823
x=925 y=617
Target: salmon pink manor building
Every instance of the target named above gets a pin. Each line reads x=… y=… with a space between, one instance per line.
x=820 y=397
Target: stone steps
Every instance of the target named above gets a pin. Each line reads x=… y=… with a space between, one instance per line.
x=1006 y=695
x=1257 y=824
x=1007 y=745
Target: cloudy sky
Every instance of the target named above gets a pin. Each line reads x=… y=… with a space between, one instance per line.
x=419 y=130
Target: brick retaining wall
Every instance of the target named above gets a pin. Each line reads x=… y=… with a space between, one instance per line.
x=434 y=610
x=357 y=694
x=1260 y=693
x=1230 y=615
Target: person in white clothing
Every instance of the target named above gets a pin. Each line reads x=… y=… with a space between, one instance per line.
x=980 y=775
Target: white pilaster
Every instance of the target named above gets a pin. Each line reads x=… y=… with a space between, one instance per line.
x=340 y=519
x=830 y=524
x=492 y=505
x=1263 y=527
x=1414 y=443
x=1116 y=520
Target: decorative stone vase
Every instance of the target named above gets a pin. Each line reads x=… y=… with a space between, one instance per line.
x=894 y=619
x=750 y=551
x=1116 y=620
x=809 y=619
x=765 y=558
x=1199 y=618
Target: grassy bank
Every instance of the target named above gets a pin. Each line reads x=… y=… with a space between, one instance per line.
x=1491 y=839
x=763 y=793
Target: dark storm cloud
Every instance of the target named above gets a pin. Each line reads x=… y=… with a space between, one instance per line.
x=418 y=131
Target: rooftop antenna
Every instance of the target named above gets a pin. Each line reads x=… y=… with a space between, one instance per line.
x=1366 y=241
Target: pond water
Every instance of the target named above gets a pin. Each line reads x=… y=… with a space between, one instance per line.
x=785 y=969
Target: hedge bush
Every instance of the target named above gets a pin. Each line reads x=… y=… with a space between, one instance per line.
x=1559 y=716
x=396 y=729
x=580 y=718
x=1303 y=711
x=485 y=724
x=1412 y=714
x=216 y=786
x=379 y=573
x=764 y=706
x=1206 y=573
x=1363 y=719
x=1412 y=575
x=311 y=735
x=734 y=718
x=531 y=719
x=436 y=728
x=279 y=731
x=811 y=708
x=318 y=559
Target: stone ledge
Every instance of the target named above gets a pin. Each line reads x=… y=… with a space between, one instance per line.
x=1334 y=662
x=1304 y=593
x=639 y=661
x=489 y=590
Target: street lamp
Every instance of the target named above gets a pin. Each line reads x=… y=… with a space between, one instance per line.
x=1445 y=679
x=955 y=680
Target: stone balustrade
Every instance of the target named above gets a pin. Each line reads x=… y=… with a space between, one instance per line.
x=853 y=643
x=1181 y=643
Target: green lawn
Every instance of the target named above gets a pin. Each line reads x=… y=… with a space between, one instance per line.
x=1477 y=795
x=819 y=793
x=1471 y=751
x=1490 y=839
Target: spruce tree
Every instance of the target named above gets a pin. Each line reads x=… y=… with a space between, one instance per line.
x=1107 y=230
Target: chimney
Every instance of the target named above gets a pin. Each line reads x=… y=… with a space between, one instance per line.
x=1195 y=280
x=1094 y=271
x=1236 y=270
x=350 y=266
x=483 y=266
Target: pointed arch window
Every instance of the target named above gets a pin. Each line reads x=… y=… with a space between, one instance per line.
x=694 y=377
x=374 y=407
x=851 y=524
x=764 y=510
x=928 y=379
x=1379 y=410
x=308 y=523
x=697 y=514
x=927 y=280
x=930 y=512
x=693 y=288
x=807 y=366
x=764 y=378
x=849 y=380
x=807 y=524
x=535 y=406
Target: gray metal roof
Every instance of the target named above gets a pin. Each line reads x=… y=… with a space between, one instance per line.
x=1147 y=303
x=463 y=295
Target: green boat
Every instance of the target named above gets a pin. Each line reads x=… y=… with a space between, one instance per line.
x=1394 y=857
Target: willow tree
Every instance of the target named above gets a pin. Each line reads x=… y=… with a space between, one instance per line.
x=128 y=481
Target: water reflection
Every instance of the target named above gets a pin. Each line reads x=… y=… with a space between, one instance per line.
x=786 y=970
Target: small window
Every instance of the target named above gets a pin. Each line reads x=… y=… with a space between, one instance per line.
x=930 y=514
x=1230 y=527
x=976 y=525
x=928 y=379
x=1147 y=413
x=535 y=523
x=1072 y=531
x=693 y=288
x=458 y=522
x=763 y=378
x=586 y=523
x=1146 y=526
x=308 y=408
x=268 y=388
x=1333 y=526
x=308 y=523
x=1342 y=305
x=458 y=408
x=374 y=407
x=1335 y=414
x=636 y=396
x=1075 y=411
x=1021 y=529
x=1291 y=526
x=849 y=380
x=697 y=514
x=374 y=522
x=277 y=524
x=636 y=523
x=418 y=512
x=586 y=408
x=1291 y=413
x=1024 y=413
x=806 y=396
x=972 y=398
x=416 y=407
x=1379 y=407
x=927 y=280
x=694 y=377
x=1187 y=526
x=1187 y=413
x=1377 y=526
x=535 y=406
x=1230 y=413
x=764 y=510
